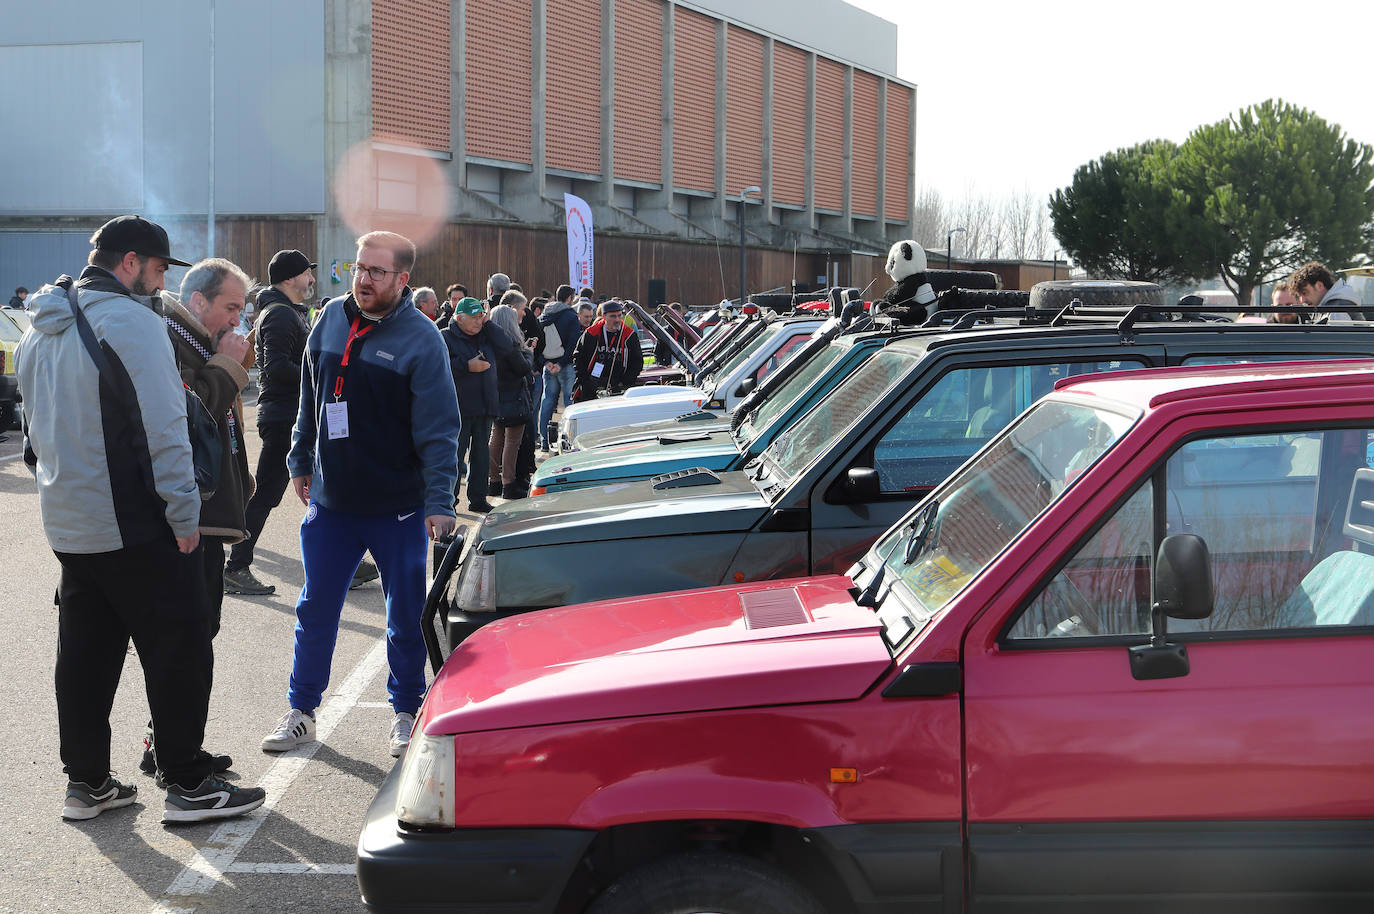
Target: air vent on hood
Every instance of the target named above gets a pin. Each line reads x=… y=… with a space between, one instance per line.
x=772 y=608
x=680 y=479
x=683 y=438
x=697 y=416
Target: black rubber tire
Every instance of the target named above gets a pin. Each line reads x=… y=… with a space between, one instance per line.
x=780 y=302
x=959 y=299
x=698 y=882
x=1117 y=293
x=940 y=280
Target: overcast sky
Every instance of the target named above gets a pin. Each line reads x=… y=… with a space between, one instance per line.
x=1014 y=96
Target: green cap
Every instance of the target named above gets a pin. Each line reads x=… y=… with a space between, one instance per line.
x=469 y=306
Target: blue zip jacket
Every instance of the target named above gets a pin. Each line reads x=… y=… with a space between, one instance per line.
x=401 y=453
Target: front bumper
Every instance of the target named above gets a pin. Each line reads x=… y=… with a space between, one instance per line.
x=513 y=870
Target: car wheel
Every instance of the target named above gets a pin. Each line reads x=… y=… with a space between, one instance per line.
x=702 y=882
x=1091 y=292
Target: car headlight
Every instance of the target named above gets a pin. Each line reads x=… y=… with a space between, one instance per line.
x=425 y=795
x=477 y=589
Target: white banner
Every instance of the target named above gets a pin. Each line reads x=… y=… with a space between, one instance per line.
x=580 y=260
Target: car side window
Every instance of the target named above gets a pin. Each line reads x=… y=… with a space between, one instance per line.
x=777 y=358
x=961 y=413
x=1271 y=509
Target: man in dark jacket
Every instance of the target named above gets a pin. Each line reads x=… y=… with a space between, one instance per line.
x=560 y=330
x=209 y=356
x=471 y=357
x=607 y=356
x=17 y=300
x=372 y=458
x=281 y=331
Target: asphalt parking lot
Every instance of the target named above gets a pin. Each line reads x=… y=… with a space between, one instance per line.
x=295 y=853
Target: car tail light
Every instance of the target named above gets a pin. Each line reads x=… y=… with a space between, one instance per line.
x=425 y=795
x=539 y=490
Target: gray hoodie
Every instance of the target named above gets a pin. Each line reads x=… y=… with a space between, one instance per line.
x=109 y=476
x=1338 y=305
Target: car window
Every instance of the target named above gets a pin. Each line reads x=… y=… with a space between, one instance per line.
x=1273 y=527
x=1231 y=359
x=828 y=420
x=777 y=358
x=960 y=414
x=791 y=389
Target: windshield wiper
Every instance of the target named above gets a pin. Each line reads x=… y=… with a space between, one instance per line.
x=921 y=526
x=869 y=595
x=917 y=540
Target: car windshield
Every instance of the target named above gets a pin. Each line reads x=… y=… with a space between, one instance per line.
x=828 y=420
x=987 y=505
x=9 y=330
x=782 y=398
x=739 y=358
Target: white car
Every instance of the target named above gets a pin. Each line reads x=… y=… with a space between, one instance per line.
x=719 y=389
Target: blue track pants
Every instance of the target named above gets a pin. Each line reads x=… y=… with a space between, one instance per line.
x=332 y=545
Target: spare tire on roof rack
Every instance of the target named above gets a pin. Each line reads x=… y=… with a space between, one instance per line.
x=940 y=280
x=1113 y=293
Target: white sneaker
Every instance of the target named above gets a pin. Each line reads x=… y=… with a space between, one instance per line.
x=400 y=733
x=294 y=728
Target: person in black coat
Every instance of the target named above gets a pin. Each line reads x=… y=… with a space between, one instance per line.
x=514 y=363
x=471 y=358
x=280 y=330
x=607 y=356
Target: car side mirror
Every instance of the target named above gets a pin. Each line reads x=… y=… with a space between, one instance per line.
x=1183 y=590
x=862 y=484
x=746 y=387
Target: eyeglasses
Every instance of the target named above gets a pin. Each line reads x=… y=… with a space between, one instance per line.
x=377 y=274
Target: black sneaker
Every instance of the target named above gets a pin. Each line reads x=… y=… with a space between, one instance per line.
x=212 y=798
x=479 y=507
x=243 y=582
x=366 y=572
x=494 y=488
x=86 y=802
x=218 y=763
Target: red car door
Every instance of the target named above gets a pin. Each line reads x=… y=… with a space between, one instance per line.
x=1246 y=784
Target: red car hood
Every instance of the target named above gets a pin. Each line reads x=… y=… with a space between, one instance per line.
x=769 y=643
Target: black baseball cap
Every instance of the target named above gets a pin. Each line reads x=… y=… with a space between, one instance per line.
x=287 y=265
x=123 y=234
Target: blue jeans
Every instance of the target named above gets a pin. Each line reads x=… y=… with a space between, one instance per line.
x=565 y=377
x=332 y=545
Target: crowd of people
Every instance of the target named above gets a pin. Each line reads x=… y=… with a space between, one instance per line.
x=374 y=414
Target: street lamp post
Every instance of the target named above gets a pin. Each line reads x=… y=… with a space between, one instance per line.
x=751 y=189
x=949 y=242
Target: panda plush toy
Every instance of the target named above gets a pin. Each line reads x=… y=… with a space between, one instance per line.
x=910 y=296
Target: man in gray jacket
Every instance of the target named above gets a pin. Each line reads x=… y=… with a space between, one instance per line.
x=120 y=509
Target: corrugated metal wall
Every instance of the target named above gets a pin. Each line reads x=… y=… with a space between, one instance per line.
x=829 y=155
x=743 y=110
x=694 y=100
x=789 y=124
x=498 y=94
x=639 y=90
x=863 y=164
x=573 y=81
x=410 y=90
x=898 y=152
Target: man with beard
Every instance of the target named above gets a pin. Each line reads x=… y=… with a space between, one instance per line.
x=372 y=458
x=121 y=510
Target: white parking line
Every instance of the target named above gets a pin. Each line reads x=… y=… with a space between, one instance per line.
x=212 y=861
x=294 y=869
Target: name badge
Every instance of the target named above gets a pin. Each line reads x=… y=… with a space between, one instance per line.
x=596 y=369
x=336 y=418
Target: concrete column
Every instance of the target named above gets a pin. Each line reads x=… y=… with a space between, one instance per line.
x=348 y=120
x=847 y=156
x=669 y=56
x=881 y=196
x=910 y=166
x=810 y=140
x=722 y=78
x=523 y=192
x=766 y=179
x=605 y=194
x=457 y=92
